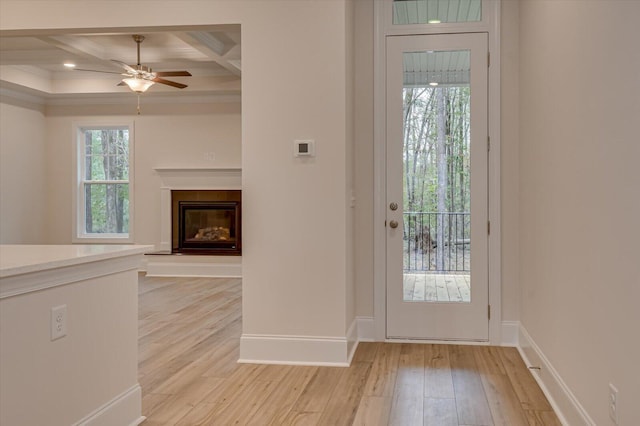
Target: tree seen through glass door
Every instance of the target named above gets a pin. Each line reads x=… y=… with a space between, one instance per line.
x=436 y=178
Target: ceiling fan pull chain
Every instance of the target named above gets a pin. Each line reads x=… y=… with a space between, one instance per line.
x=138 y=104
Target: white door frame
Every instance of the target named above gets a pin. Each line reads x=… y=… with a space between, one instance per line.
x=382 y=29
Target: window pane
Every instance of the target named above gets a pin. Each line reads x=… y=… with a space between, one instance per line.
x=109 y=167
x=443 y=68
x=106 y=208
x=406 y=12
x=94 y=167
x=436 y=169
x=107 y=154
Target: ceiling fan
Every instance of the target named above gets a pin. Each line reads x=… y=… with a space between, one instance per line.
x=139 y=77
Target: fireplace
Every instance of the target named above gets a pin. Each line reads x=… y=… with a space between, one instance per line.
x=206 y=222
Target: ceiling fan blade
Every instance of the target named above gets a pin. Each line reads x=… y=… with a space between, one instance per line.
x=122 y=83
x=169 y=83
x=172 y=74
x=106 y=72
x=125 y=66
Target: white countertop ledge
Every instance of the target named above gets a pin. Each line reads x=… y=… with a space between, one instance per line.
x=25 y=259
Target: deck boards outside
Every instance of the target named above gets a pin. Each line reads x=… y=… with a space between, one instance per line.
x=432 y=287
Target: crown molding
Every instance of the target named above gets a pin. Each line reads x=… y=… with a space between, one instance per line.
x=132 y=99
x=10 y=92
x=7 y=94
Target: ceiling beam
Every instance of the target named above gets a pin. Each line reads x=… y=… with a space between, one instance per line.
x=30 y=57
x=213 y=48
x=212 y=42
x=80 y=47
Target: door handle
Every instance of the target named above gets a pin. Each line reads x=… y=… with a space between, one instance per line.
x=393 y=206
x=393 y=224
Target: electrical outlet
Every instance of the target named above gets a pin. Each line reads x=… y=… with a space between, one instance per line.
x=613 y=403
x=58 y=322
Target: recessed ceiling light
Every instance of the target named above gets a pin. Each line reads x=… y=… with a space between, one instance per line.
x=433 y=21
x=69 y=65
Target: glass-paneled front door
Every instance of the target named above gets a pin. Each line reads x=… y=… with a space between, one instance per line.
x=437 y=263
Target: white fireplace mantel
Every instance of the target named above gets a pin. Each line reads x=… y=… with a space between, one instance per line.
x=183 y=178
x=190 y=178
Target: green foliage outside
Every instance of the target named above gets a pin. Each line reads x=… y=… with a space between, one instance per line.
x=106 y=181
x=421 y=156
x=436 y=177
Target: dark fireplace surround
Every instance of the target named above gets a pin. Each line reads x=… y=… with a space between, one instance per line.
x=206 y=222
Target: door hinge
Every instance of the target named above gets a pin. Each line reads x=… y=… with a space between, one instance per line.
x=385 y=223
x=488 y=143
x=489 y=311
x=488 y=59
x=488 y=227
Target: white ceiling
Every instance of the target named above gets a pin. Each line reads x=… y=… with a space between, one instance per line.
x=450 y=68
x=34 y=64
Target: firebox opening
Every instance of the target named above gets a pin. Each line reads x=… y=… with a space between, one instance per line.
x=206 y=222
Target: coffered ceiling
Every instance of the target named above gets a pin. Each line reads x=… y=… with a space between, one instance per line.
x=34 y=64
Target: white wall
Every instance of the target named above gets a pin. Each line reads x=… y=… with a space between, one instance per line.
x=363 y=56
x=294 y=282
x=166 y=135
x=293 y=87
x=23 y=206
x=509 y=163
x=579 y=202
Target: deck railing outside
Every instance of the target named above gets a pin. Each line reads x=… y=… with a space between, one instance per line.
x=427 y=250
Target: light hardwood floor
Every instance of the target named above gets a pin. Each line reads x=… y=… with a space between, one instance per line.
x=189 y=337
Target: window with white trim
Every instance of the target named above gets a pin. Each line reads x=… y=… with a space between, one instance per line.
x=104 y=193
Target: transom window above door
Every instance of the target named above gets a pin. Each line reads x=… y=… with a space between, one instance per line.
x=411 y=12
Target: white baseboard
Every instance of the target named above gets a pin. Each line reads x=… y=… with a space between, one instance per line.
x=196 y=269
x=564 y=403
x=295 y=350
x=124 y=409
x=510 y=333
x=366 y=329
x=352 y=340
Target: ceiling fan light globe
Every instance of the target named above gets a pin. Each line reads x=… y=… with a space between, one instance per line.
x=138 y=85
